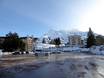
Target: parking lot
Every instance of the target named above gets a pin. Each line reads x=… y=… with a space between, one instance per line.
x=64 y=65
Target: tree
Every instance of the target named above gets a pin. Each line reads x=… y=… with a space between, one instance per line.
x=43 y=41
x=21 y=45
x=57 y=42
x=12 y=42
x=90 y=38
x=99 y=40
x=52 y=41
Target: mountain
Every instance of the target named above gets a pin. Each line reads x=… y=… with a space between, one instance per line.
x=64 y=34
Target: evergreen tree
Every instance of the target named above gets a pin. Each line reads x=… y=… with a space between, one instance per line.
x=43 y=41
x=90 y=38
x=57 y=42
x=52 y=41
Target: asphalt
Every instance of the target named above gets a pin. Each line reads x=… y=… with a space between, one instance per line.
x=65 y=65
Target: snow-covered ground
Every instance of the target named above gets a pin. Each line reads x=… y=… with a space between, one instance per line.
x=98 y=50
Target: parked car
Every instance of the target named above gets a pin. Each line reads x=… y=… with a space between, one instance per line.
x=27 y=52
x=56 y=52
x=42 y=53
x=16 y=53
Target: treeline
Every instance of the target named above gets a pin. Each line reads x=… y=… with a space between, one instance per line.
x=55 y=41
x=12 y=42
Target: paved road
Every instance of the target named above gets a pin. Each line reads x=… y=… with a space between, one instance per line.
x=66 y=65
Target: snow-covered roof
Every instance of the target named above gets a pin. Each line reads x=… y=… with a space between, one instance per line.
x=41 y=45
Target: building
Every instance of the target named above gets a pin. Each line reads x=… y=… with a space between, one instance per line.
x=75 y=40
x=29 y=42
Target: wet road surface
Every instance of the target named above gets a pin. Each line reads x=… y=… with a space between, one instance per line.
x=66 y=65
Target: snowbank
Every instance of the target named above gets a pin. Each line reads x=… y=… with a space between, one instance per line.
x=99 y=50
x=84 y=49
x=1 y=52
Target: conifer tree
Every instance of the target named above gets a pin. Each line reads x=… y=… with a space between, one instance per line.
x=90 y=38
x=57 y=42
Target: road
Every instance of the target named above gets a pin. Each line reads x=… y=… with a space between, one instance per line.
x=65 y=65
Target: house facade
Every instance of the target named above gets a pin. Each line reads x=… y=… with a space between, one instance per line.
x=75 y=40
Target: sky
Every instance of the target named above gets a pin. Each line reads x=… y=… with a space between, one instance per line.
x=36 y=17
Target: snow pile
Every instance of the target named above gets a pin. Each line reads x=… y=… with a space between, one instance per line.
x=97 y=50
x=84 y=49
x=75 y=49
x=42 y=46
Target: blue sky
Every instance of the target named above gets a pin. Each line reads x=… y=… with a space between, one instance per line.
x=35 y=17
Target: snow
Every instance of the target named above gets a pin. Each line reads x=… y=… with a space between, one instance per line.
x=1 y=52
x=75 y=49
x=52 y=48
x=42 y=46
x=84 y=49
x=99 y=50
x=64 y=34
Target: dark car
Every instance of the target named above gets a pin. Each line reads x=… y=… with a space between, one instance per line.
x=16 y=53
x=27 y=52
